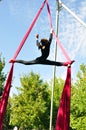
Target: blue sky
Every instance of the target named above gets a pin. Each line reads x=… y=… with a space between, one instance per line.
x=15 y=19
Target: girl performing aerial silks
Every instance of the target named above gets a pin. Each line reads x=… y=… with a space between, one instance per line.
x=44 y=46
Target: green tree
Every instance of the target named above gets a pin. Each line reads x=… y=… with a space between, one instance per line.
x=59 y=84
x=78 y=101
x=2 y=75
x=31 y=107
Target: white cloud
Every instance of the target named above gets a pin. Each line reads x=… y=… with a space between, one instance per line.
x=82 y=10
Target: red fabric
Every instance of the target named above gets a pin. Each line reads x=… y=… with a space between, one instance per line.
x=63 y=116
x=54 y=34
x=61 y=47
x=29 y=30
x=5 y=95
x=49 y=14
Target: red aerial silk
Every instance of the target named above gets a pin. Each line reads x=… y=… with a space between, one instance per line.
x=5 y=95
x=49 y=14
x=61 y=47
x=54 y=34
x=63 y=116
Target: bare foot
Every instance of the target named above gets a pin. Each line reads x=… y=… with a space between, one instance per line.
x=68 y=63
x=11 y=61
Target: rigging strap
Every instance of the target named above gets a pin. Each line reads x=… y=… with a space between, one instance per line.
x=54 y=34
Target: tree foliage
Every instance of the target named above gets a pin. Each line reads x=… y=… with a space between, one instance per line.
x=31 y=107
x=78 y=101
x=2 y=75
x=59 y=84
x=33 y=103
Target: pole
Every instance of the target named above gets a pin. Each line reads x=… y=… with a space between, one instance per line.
x=54 y=69
x=73 y=14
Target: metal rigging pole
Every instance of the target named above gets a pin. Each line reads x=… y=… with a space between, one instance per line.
x=54 y=69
